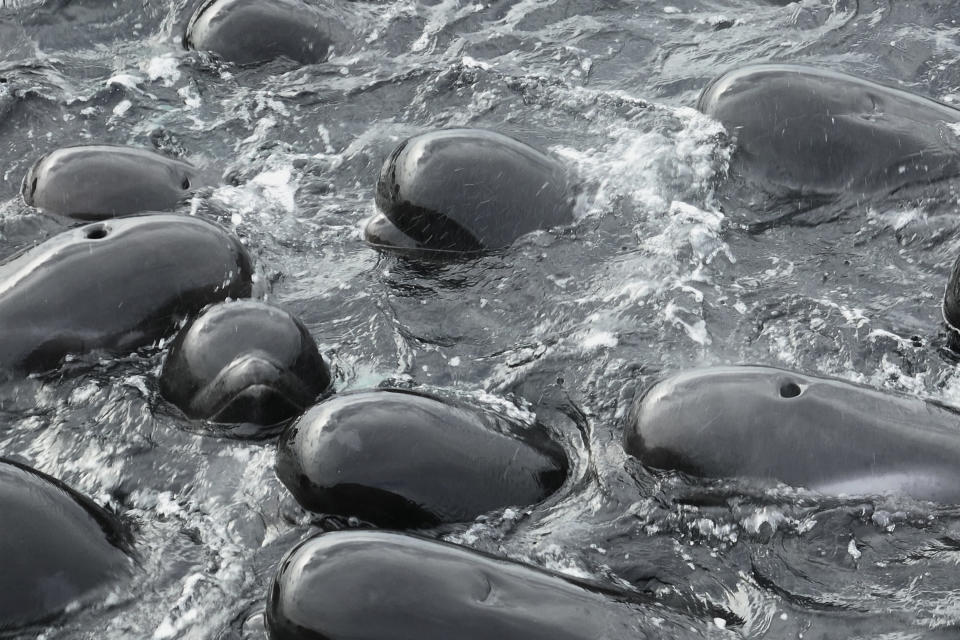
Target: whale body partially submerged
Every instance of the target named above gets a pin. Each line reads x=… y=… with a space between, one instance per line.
x=58 y=549
x=815 y=132
x=822 y=434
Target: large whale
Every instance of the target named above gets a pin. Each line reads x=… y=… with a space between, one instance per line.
x=114 y=285
x=822 y=434
x=808 y=131
x=403 y=459
x=372 y=585
x=58 y=549
x=92 y=182
x=467 y=190
x=244 y=362
x=252 y=31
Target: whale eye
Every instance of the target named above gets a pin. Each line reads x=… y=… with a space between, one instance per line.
x=33 y=186
x=185 y=184
x=790 y=390
x=97 y=232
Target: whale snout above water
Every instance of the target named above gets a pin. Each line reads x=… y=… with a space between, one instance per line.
x=818 y=433
x=244 y=362
x=93 y=182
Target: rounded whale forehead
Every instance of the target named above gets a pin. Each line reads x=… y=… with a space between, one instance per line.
x=226 y=331
x=398 y=571
x=799 y=87
x=460 y=151
x=117 y=157
x=250 y=31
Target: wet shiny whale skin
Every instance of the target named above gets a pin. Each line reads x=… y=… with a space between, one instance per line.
x=92 y=182
x=115 y=286
x=468 y=190
x=822 y=434
x=253 y=31
x=244 y=361
x=59 y=548
x=813 y=131
x=371 y=585
x=403 y=459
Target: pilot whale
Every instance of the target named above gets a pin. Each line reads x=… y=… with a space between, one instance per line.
x=822 y=434
x=371 y=585
x=467 y=191
x=58 y=549
x=93 y=182
x=253 y=31
x=244 y=362
x=814 y=132
x=404 y=459
x=114 y=286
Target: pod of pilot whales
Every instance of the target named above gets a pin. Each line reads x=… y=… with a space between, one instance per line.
x=405 y=460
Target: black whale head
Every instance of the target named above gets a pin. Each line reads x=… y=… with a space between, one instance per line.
x=244 y=362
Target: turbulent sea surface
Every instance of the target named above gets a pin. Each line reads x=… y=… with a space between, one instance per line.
x=664 y=270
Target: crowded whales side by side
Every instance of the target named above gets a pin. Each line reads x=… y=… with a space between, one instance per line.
x=244 y=362
x=805 y=131
x=822 y=434
x=372 y=585
x=467 y=190
x=93 y=182
x=58 y=549
x=114 y=286
x=403 y=459
x=254 y=31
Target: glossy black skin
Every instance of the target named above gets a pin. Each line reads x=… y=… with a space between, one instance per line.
x=468 y=190
x=95 y=182
x=254 y=31
x=404 y=460
x=951 y=299
x=57 y=548
x=822 y=434
x=114 y=286
x=374 y=585
x=244 y=361
x=810 y=131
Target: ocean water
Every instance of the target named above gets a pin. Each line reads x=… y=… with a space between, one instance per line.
x=662 y=271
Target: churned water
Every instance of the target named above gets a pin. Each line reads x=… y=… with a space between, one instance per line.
x=565 y=327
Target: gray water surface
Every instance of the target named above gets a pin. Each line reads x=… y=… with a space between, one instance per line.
x=660 y=273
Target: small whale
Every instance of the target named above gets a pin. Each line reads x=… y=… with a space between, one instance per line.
x=467 y=191
x=822 y=434
x=812 y=132
x=94 y=182
x=372 y=585
x=253 y=31
x=244 y=362
x=114 y=286
x=58 y=549
x=404 y=460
